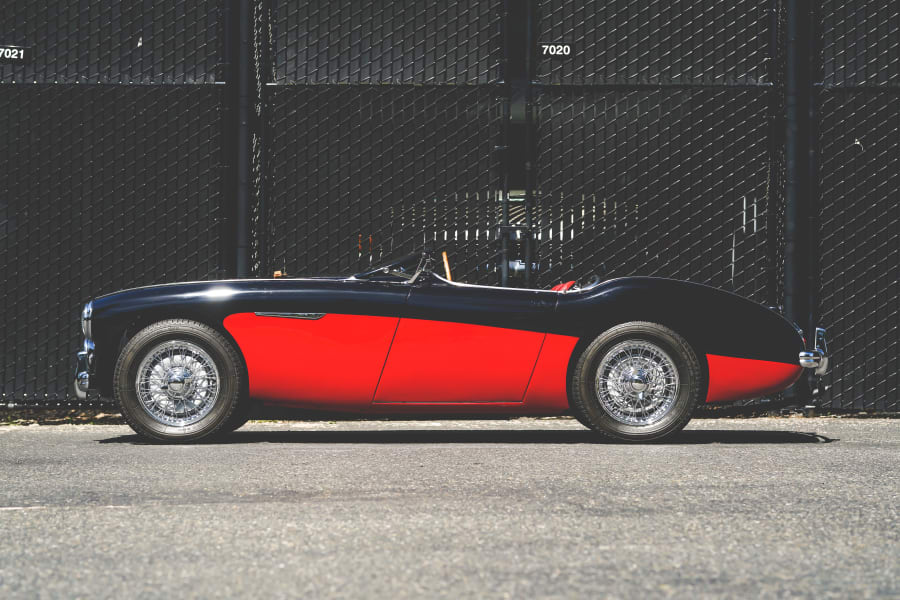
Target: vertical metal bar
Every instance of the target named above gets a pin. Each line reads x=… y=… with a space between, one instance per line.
x=504 y=221
x=530 y=159
x=796 y=297
x=812 y=206
x=775 y=129
x=227 y=251
x=242 y=150
x=505 y=153
x=529 y=184
x=258 y=229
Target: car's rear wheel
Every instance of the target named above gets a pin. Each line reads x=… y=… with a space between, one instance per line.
x=637 y=381
x=179 y=381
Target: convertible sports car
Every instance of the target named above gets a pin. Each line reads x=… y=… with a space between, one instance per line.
x=631 y=358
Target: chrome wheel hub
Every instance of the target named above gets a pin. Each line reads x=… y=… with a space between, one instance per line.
x=636 y=383
x=180 y=382
x=177 y=383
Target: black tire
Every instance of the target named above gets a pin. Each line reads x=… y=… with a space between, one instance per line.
x=240 y=416
x=224 y=409
x=588 y=407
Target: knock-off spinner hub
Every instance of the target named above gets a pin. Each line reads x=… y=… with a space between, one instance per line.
x=638 y=381
x=180 y=382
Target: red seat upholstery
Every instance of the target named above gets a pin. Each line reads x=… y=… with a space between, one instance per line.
x=563 y=287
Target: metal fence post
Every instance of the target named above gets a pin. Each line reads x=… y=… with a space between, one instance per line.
x=506 y=155
x=530 y=154
x=227 y=253
x=797 y=183
x=813 y=278
x=242 y=90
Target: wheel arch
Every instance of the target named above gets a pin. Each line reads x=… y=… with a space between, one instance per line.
x=679 y=326
x=126 y=328
x=712 y=321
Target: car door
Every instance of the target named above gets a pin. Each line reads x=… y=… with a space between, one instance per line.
x=319 y=344
x=464 y=344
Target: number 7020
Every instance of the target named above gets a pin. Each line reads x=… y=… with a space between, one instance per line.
x=556 y=49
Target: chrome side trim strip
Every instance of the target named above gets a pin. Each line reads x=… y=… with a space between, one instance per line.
x=289 y=315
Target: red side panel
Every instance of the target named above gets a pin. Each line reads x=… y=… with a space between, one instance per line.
x=439 y=362
x=548 y=388
x=741 y=378
x=332 y=362
x=562 y=287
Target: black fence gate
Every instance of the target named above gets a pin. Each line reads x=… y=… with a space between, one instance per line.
x=180 y=141
x=111 y=173
x=857 y=102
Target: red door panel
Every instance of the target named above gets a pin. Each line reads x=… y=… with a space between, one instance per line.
x=441 y=362
x=743 y=378
x=334 y=361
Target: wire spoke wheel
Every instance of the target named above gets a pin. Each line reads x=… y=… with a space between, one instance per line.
x=180 y=381
x=637 y=383
x=177 y=383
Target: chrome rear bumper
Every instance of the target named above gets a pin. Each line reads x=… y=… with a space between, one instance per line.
x=817 y=358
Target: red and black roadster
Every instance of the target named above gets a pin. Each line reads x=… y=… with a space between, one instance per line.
x=630 y=358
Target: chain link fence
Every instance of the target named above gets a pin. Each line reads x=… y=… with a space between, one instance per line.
x=859 y=245
x=376 y=127
x=362 y=174
x=658 y=149
x=107 y=41
x=386 y=42
x=859 y=211
x=110 y=187
x=668 y=183
x=380 y=120
x=112 y=171
x=858 y=43
x=653 y=42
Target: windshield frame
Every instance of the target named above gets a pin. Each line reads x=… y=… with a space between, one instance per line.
x=423 y=262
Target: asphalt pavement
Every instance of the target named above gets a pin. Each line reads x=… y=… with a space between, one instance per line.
x=748 y=508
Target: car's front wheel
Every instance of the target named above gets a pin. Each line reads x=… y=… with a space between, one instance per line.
x=178 y=381
x=637 y=381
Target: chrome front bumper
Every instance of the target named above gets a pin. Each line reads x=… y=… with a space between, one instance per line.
x=817 y=358
x=84 y=361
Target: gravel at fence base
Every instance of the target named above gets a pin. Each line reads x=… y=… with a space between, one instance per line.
x=109 y=416
x=531 y=507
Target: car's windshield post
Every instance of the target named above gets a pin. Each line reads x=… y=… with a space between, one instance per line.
x=426 y=264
